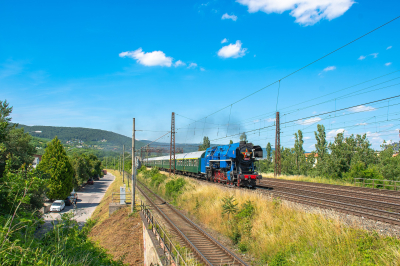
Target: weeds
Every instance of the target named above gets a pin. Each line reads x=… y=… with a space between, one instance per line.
x=275 y=233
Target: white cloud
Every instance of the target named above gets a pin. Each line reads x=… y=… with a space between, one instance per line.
x=307 y=138
x=361 y=124
x=333 y=133
x=375 y=55
x=373 y=134
x=306 y=12
x=156 y=58
x=362 y=108
x=329 y=68
x=226 y=16
x=202 y=69
x=192 y=65
x=388 y=63
x=224 y=40
x=270 y=119
x=179 y=63
x=232 y=50
x=362 y=57
x=390 y=47
x=309 y=121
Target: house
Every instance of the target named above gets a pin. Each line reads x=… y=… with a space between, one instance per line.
x=315 y=157
x=36 y=160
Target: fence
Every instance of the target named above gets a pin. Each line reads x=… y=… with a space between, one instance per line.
x=173 y=255
x=377 y=183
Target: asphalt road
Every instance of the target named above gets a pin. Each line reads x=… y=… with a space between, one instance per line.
x=88 y=199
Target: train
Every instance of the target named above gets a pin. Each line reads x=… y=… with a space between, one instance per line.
x=231 y=164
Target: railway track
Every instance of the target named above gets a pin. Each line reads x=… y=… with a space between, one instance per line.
x=374 y=204
x=205 y=248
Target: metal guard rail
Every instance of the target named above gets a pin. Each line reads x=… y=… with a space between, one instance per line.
x=168 y=247
x=378 y=182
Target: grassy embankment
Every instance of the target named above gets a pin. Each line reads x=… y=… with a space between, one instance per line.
x=271 y=231
x=316 y=179
x=121 y=233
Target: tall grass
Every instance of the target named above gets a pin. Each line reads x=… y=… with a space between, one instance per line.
x=317 y=179
x=278 y=234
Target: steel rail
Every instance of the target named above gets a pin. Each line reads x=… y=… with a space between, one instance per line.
x=381 y=192
x=232 y=257
x=338 y=206
x=361 y=211
x=342 y=197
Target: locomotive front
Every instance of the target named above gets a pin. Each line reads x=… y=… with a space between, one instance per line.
x=246 y=154
x=232 y=164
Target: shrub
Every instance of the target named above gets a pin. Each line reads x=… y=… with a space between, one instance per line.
x=157 y=179
x=174 y=187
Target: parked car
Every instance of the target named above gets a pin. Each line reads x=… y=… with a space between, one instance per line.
x=57 y=206
x=96 y=177
x=68 y=201
x=90 y=181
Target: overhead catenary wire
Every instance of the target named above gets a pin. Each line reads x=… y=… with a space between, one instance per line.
x=342 y=109
x=305 y=66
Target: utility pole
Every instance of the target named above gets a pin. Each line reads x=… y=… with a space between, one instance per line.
x=123 y=163
x=133 y=167
x=172 y=145
x=277 y=146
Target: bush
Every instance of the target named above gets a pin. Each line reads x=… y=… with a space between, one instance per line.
x=157 y=179
x=174 y=187
x=64 y=244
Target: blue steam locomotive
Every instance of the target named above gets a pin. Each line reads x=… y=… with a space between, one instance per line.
x=231 y=164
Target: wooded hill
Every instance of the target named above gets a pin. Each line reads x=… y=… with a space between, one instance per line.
x=89 y=136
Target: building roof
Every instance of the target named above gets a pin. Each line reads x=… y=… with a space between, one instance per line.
x=308 y=153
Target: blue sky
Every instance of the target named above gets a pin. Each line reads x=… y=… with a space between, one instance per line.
x=98 y=64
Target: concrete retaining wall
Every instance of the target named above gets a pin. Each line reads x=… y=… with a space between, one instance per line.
x=153 y=252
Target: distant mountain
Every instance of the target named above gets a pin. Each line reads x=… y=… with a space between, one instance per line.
x=160 y=148
x=87 y=136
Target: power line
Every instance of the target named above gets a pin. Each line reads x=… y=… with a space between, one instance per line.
x=313 y=62
x=314 y=116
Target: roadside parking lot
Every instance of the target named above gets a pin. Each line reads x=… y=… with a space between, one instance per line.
x=88 y=199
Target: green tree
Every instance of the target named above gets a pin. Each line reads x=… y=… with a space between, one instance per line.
x=300 y=158
x=230 y=142
x=321 y=146
x=19 y=144
x=243 y=137
x=288 y=166
x=5 y=119
x=389 y=165
x=269 y=152
x=206 y=144
x=55 y=162
x=82 y=169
